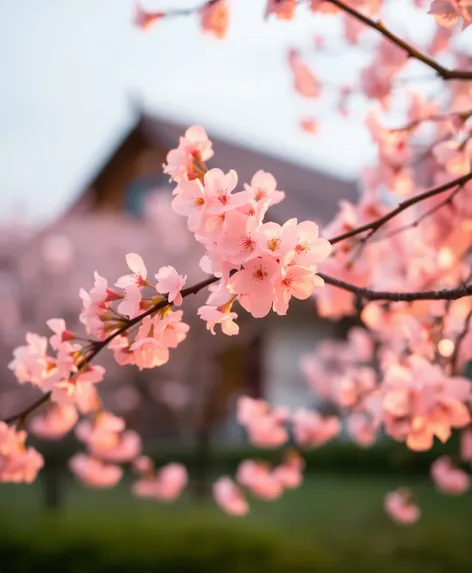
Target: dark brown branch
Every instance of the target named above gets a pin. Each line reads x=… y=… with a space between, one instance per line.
x=374 y=225
x=368 y=294
x=447 y=201
x=187 y=11
x=99 y=346
x=442 y=71
x=460 y=339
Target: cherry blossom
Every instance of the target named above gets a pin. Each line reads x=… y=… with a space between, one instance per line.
x=407 y=234
x=265 y=425
x=219 y=315
x=95 y=473
x=17 y=463
x=448 y=478
x=215 y=18
x=171 y=283
x=282 y=9
x=400 y=507
x=185 y=162
x=312 y=430
x=55 y=423
x=229 y=497
x=420 y=402
x=258 y=478
x=144 y=19
x=166 y=485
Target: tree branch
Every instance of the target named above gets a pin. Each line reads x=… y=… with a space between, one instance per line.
x=100 y=345
x=460 y=339
x=367 y=294
x=374 y=225
x=442 y=71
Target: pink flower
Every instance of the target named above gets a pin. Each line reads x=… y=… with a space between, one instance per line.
x=277 y=240
x=445 y=12
x=143 y=464
x=267 y=432
x=283 y=9
x=256 y=476
x=310 y=126
x=17 y=463
x=169 y=281
x=107 y=439
x=264 y=425
x=94 y=473
x=454 y=157
x=219 y=192
x=239 y=242
x=289 y=474
x=131 y=305
x=149 y=353
x=362 y=430
x=95 y=306
x=173 y=479
x=310 y=249
x=31 y=363
x=255 y=285
x=419 y=402
x=216 y=315
x=263 y=190
x=250 y=409
x=190 y=201
x=449 y=479
x=55 y=423
x=127 y=447
x=145 y=20
x=166 y=485
x=170 y=328
x=305 y=82
x=58 y=326
x=312 y=430
x=296 y=281
x=132 y=285
x=215 y=18
x=139 y=272
x=229 y=497
x=399 y=506
x=194 y=147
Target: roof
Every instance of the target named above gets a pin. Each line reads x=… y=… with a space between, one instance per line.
x=310 y=194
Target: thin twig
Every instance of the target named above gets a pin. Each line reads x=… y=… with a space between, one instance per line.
x=422 y=217
x=100 y=345
x=377 y=223
x=368 y=294
x=460 y=339
x=442 y=71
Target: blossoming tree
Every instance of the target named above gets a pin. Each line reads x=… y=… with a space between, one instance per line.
x=399 y=259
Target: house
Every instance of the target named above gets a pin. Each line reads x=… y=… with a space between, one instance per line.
x=265 y=362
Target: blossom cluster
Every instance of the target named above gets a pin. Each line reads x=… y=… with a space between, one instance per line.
x=17 y=463
x=268 y=427
x=261 y=264
x=259 y=479
x=164 y=485
x=108 y=444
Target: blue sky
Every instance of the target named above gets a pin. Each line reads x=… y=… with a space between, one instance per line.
x=71 y=67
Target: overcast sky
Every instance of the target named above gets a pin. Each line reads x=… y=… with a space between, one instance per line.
x=71 y=67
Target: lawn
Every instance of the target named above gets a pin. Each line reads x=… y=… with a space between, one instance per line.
x=333 y=523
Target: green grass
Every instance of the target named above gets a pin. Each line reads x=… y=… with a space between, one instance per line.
x=337 y=520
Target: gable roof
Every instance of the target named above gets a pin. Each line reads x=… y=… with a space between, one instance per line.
x=310 y=194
